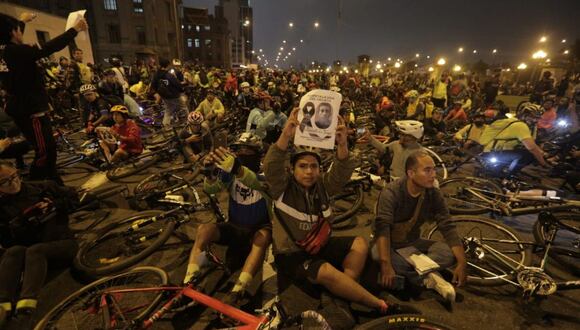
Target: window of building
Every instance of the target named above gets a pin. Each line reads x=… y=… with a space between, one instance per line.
x=197 y=28
x=188 y=27
x=196 y=43
x=208 y=42
x=110 y=4
x=141 y=36
x=138 y=6
x=114 y=34
x=189 y=42
x=206 y=27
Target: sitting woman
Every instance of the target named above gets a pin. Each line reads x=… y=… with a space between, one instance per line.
x=127 y=135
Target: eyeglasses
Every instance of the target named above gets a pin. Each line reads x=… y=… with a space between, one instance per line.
x=9 y=180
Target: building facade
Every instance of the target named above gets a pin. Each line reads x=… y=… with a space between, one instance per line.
x=128 y=29
x=239 y=15
x=206 y=37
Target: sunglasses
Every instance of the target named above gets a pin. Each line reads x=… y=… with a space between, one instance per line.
x=9 y=180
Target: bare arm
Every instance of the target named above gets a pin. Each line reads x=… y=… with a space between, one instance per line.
x=532 y=147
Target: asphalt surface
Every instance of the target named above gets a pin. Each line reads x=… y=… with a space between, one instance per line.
x=496 y=308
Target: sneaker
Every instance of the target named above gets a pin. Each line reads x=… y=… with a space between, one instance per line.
x=434 y=281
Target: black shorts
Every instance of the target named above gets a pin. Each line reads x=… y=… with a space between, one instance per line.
x=301 y=265
x=235 y=235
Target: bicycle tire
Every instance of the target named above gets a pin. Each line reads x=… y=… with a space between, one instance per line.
x=403 y=321
x=81 y=261
x=563 y=251
x=85 y=292
x=126 y=170
x=457 y=204
x=439 y=164
x=350 y=211
x=160 y=183
x=475 y=225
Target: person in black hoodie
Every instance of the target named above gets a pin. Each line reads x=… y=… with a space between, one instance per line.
x=27 y=101
x=34 y=230
x=167 y=88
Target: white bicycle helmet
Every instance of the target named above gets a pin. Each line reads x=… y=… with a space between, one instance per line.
x=87 y=88
x=410 y=127
x=195 y=117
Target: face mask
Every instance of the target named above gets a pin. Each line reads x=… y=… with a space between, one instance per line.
x=251 y=161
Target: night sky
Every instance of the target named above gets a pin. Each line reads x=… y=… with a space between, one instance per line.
x=402 y=28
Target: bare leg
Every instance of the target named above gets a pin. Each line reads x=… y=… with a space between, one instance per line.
x=119 y=154
x=354 y=262
x=206 y=233
x=260 y=243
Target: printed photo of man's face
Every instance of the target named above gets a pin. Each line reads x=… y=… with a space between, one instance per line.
x=323 y=117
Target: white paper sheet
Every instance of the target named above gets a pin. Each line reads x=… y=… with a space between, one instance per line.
x=73 y=19
x=318 y=119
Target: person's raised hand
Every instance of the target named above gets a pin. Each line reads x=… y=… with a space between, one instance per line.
x=27 y=17
x=81 y=25
x=291 y=124
x=341 y=133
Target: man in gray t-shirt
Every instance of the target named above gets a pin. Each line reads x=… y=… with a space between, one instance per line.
x=398 y=224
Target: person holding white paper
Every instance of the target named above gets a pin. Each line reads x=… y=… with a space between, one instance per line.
x=403 y=206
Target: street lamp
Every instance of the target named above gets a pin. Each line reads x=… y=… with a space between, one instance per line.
x=494 y=51
x=417 y=55
x=397 y=65
x=316 y=24
x=291 y=24
x=283 y=41
x=475 y=51
x=441 y=61
x=543 y=39
x=301 y=41
x=539 y=54
x=457 y=68
x=460 y=50
x=566 y=52
x=563 y=41
x=431 y=69
x=247 y=22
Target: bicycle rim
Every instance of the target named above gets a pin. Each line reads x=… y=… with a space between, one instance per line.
x=403 y=321
x=347 y=203
x=79 y=310
x=133 y=167
x=565 y=248
x=116 y=248
x=485 y=265
x=469 y=195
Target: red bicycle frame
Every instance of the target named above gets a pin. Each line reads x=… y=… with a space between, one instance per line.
x=248 y=321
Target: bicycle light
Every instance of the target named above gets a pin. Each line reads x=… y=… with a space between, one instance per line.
x=562 y=123
x=493 y=160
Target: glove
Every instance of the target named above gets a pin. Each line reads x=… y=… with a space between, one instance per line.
x=229 y=164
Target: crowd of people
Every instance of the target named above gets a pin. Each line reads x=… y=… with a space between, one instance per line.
x=278 y=193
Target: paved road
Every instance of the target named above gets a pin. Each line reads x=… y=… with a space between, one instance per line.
x=477 y=307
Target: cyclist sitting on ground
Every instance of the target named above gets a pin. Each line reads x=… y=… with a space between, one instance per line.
x=34 y=228
x=505 y=135
x=257 y=113
x=403 y=206
x=272 y=123
x=457 y=113
x=435 y=127
x=410 y=132
x=211 y=108
x=414 y=108
x=110 y=85
x=469 y=135
x=128 y=136
x=249 y=220
x=197 y=137
x=301 y=205
x=385 y=116
x=96 y=108
x=245 y=100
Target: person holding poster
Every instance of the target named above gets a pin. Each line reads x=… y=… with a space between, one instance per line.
x=303 y=246
x=318 y=119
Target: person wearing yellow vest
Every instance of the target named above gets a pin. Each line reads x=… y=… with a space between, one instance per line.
x=414 y=108
x=505 y=135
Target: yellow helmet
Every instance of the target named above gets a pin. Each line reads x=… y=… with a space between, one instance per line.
x=120 y=108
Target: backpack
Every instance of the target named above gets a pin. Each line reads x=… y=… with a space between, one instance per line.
x=164 y=87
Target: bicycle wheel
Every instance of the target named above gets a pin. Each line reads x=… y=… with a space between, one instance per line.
x=156 y=185
x=347 y=203
x=494 y=251
x=81 y=309
x=565 y=248
x=120 y=245
x=440 y=167
x=478 y=199
x=131 y=167
x=403 y=321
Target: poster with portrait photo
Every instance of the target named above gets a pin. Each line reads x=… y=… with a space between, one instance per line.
x=318 y=118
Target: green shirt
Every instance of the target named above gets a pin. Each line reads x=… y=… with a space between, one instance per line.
x=504 y=134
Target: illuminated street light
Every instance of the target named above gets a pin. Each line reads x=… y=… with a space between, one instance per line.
x=441 y=61
x=316 y=24
x=566 y=52
x=382 y=71
x=543 y=39
x=291 y=24
x=247 y=22
x=416 y=65
x=371 y=61
x=494 y=51
x=312 y=62
x=417 y=55
x=389 y=59
x=301 y=41
x=457 y=68
x=563 y=41
x=283 y=41
x=539 y=54
x=378 y=66
x=281 y=48
x=293 y=49
x=460 y=50
x=397 y=65
x=428 y=57
x=253 y=52
x=431 y=69
x=261 y=50
x=475 y=51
